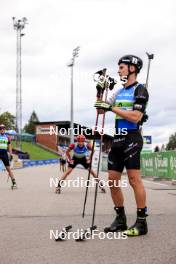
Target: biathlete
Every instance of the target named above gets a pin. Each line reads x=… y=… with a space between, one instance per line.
x=63 y=159
x=80 y=156
x=5 y=147
x=129 y=105
x=63 y=162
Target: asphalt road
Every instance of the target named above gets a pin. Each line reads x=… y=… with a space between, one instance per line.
x=30 y=214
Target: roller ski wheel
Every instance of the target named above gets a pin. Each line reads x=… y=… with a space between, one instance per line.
x=63 y=233
x=58 y=190
x=14 y=185
x=86 y=234
x=102 y=190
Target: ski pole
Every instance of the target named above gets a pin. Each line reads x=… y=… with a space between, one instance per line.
x=88 y=177
x=150 y=57
x=98 y=167
x=105 y=83
x=101 y=86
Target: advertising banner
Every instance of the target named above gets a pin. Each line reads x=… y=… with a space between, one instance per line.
x=159 y=164
x=147 y=144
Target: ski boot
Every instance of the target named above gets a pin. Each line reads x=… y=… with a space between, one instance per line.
x=14 y=185
x=119 y=223
x=140 y=226
x=58 y=188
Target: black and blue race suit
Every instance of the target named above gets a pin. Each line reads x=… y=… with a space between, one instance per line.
x=127 y=142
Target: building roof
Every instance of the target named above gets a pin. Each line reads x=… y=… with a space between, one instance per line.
x=54 y=123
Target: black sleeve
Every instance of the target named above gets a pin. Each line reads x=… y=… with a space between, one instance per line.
x=141 y=98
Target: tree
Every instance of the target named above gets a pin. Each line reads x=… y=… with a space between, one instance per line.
x=30 y=126
x=156 y=149
x=8 y=120
x=172 y=142
x=163 y=147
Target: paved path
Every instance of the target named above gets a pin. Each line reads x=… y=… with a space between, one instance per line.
x=28 y=214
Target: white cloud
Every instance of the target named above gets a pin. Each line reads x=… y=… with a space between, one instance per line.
x=105 y=30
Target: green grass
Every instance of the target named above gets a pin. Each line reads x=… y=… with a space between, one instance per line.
x=36 y=152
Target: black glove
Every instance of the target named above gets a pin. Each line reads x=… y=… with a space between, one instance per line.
x=103 y=105
x=112 y=83
x=144 y=119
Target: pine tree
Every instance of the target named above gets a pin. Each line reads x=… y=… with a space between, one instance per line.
x=30 y=126
x=172 y=142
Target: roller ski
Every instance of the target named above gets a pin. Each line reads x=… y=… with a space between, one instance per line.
x=119 y=224
x=63 y=234
x=102 y=189
x=58 y=189
x=86 y=234
x=14 y=185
